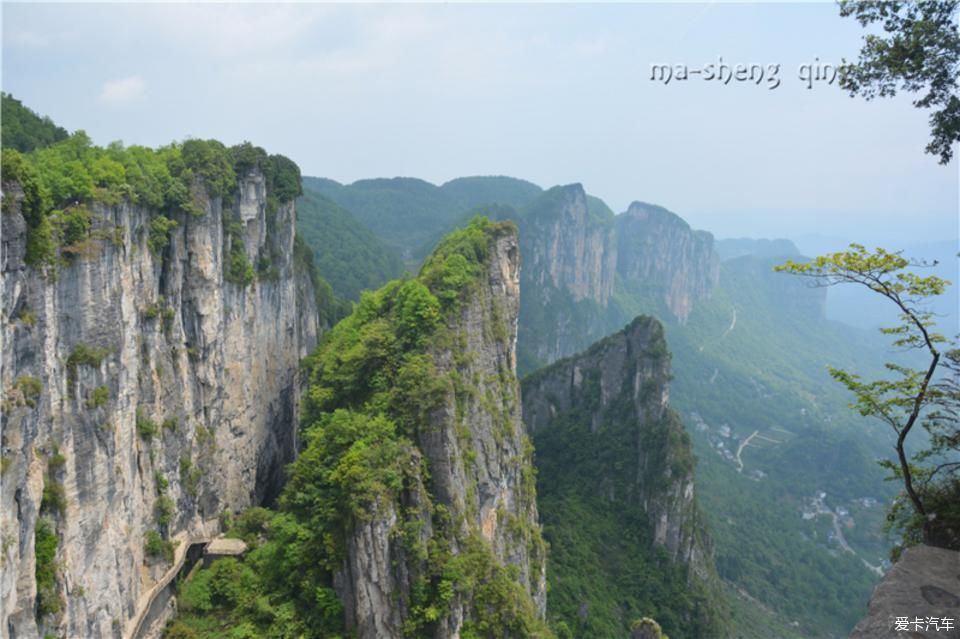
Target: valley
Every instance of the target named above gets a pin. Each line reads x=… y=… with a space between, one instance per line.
x=743 y=392
x=478 y=409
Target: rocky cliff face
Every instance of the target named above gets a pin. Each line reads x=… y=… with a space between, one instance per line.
x=659 y=252
x=577 y=256
x=143 y=395
x=475 y=444
x=567 y=248
x=569 y=264
x=615 y=396
x=457 y=547
x=924 y=587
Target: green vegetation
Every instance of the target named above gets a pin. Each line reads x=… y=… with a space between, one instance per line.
x=646 y=628
x=83 y=355
x=160 y=310
x=73 y=224
x=765 y=372
x=146 y=427
x=331 y=309
x=602 y=561
x=911 y=397
x=190 y=476
x=159 y=238
x=282 y=175
x=237 y=267
x=597 y=465
x=768 y=374
x=60 y=180
x=30 y=388
x=54 y=498
x=372 y=384
x=49 y=601
x=98 y=397
x=411 y=216
x=211 y=162
x=764 y=548
x=24 y=130
x=35 y=205
x=57 y=461
x=919 y=51
x=349 y=255
x=25 y=316
x=156 y=547
x=165 y=510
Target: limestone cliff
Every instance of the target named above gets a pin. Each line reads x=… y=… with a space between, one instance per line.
x=144 y=394
x=568 y=274
x=566 y=246
x=658 y=252
x=587 y=272
x=623 y=382
x=454 y=547
x=610 y=449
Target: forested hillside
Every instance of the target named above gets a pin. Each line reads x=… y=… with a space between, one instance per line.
x=410 y=216
x=24 y=130
x=411 y=511
x=617 y=494
x=156 y=304
x=348 y=254
x=751 y=350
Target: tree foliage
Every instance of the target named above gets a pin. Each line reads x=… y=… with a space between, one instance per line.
x=411 y=216
x=919 y=53
x=49 y=600
x=372 y=386
x=348 y=254
x=24 y=130
x=908 y=396
x=59 y=180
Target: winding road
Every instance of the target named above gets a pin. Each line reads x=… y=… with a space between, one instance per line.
x=741 y=447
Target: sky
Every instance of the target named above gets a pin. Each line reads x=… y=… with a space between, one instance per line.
x=550 y=93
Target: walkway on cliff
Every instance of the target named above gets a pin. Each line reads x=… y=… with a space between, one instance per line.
x=135 y=625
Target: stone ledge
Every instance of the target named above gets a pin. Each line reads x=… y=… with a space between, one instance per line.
x=223 y=547
x=924 y=583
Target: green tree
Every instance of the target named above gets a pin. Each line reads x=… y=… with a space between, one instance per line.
x=920 y=52
x=912 y=395
x=24 y=130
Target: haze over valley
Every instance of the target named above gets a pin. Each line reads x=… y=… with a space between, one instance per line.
x=384 y=321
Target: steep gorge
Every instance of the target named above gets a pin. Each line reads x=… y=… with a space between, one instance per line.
x=414 y=497
x=588 y=272
x=475 y=496
x=617 y=491
x=145 y=392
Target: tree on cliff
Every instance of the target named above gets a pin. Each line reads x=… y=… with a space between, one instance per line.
x=929 y=509
x=23 y=129
x=920 y=52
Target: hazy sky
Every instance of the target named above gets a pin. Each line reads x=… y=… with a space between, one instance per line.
x=550 y=93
